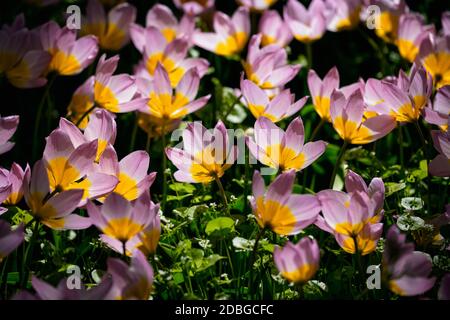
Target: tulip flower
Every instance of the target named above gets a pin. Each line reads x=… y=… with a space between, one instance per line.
x=162 y=18
x=9 y=240
x=133 y=282
x=440 y=166
x=348 y=121
x=146 y=240
x=284 y=150
x=16 y=177
x=69 y=55
x=101 y=127
x=388 y=20
x=116 y=94
x=280 y=210
x=411 y=32
x=256 y=5
x=120 y=220
x=112 y=31
x=166 y=106
x=276 y=109
x=152 y=43
x=434 y=54
x=439 y=114
x=321 y=91
x=8 y=126
x=352 y=219
x=268 y=67
x=5 y=188
x=405 y=100
x=298 y=262
x=194 y=7
x=205 y=156
x=230 y=33
x=307 y=25
x=45 y=291
x=342 y=14
x=71 y=167
x=274 y=30
x=53 y=209
x=131 y=172
x=23 y=60
x=406 y=271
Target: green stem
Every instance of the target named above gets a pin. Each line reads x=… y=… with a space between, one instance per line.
x=164 y=168
x=425 y=152
x=28 y=253
x=37 y=121
x=147 y=144
x=309 y=54
x=85 y=114
x=252 y=261
x=133 y=134
x=338 y=163
x=401 y=142
x=317 y=130
x=222 y=192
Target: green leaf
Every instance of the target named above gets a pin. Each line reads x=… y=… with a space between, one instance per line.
x=393 y=187
x=237 y=114
x=183 y=188
x=13 y=277
x=209 y=262
x=178 y=278
x=220 y=227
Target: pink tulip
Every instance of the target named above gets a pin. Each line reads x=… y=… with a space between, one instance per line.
x=155 y=48
x=440 y=113
x=267 y=67
x=230 y=33
x=162 y=18
x=82 y=101
x=321 y=91
x=165 y=105
x=280 y=107
x=5 y=188
x=407 y=271
x=72 y=166
x=50 y=208
x=444 y=289
x=298 y=262
x=445 y=20
x=342 y=14
x=69 y=55
x=101 y=127
x=411 y=32
x=307 y=25
x=280 y=210
x=347 y=116
x=434 y=54
x=16 y=176
x=112 y=30
x=205 y=156
x=194 y=7
x=274 y=30
x=9 y=240
x=131 y=282
x=405 y=99
x=284 y=150
x=388 y=20
x=23 y=60
x=8 y=126
x=440 y=166
x=256 y=5
x=131 y=172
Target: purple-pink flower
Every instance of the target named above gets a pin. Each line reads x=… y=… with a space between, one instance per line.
x=307 y=25
x=440 y=166
x=8 y=126
x=9 y=239
x=274 y=30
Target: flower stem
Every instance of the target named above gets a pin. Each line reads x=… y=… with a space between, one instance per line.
x=164 y=168
x=252 y=261
x=37 y=121
x=338 y=163
x=401 y=142
x=317 y=130
x=222 y=192
x=28 y=253
x=133 y=134
x=85 y=115
x=425 y=152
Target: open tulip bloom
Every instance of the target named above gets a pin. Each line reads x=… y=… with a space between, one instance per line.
x=274 y=30
x=321 y=91
x=283 y=150
x=298 y=262
x=412 y=31
x=434 y=55
x=280 y=210
x=8 y=126
x=439 y=113
x=9 y=239
x=205 y=155
x=342 y=14
x=15 y=177
x=194 y=7
x=440 y=166
x=307 y=25
x=387 y=23
x=267 y=67
x=230 y=34
x=70 y=56
x=112 y=30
